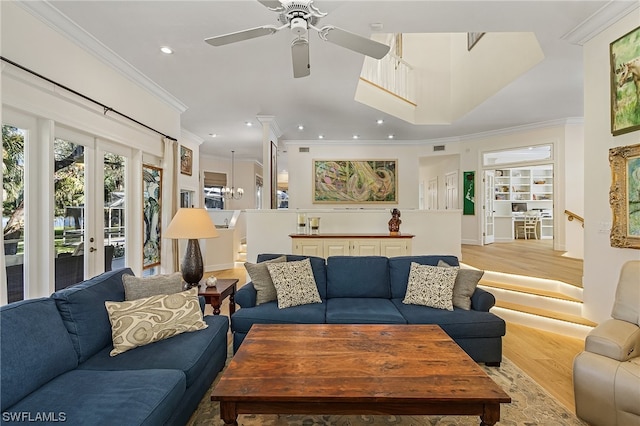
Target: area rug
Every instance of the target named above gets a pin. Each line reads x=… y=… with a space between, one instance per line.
x=531 y=405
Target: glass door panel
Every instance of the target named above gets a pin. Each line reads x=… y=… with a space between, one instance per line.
x=13 y=140
x=69 y=212
x=114 y=211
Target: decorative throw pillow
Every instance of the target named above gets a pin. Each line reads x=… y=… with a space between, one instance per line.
x=465 y=285
x=137 y=287
x=140 y=322
x=430 y=286
x=262 y=281
x=294 y=283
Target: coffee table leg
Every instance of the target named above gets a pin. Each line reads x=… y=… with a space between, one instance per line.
x=491 y=415
x=216 y=303
x=228 y=413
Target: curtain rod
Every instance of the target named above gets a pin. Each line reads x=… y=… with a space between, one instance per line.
x=105 y=107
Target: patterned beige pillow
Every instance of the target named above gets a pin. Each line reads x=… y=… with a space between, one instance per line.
x=139 y=287
x=143 y=321
x=430 y=286
x=294 y=283
x=261 y=279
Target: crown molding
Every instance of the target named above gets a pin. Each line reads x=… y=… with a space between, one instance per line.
x=185 y=134
x=51 y=16
x=604 y=17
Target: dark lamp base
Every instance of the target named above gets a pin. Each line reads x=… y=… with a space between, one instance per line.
x=192 y=268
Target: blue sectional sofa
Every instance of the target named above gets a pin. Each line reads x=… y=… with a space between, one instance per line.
x=56 y=365
x=370 y=290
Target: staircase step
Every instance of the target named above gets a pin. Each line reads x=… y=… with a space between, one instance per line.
x=528 y=290
x=546 y=313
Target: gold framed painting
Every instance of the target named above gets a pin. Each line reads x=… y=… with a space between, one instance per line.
x=624 y=196
x=355 y=181
x=624 y=58
x=186 y=160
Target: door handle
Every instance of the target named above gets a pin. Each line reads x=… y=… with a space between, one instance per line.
x=92 y=249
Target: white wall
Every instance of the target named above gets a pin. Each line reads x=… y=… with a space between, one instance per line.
x=602 y=262
x=301 y=169
x=571 y=177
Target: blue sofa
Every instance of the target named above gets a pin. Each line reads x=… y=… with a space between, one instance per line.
x=370 y=290
x=56 y=365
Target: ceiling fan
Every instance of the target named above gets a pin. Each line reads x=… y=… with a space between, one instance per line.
x=299 y=16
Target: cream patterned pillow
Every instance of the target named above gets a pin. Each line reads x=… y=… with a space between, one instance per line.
x=430 y=286
x=294 y=283
x=140 y=322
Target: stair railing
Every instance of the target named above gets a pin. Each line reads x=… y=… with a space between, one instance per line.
x=571 y=215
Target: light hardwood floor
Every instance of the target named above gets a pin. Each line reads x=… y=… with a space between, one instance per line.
x=545 y=357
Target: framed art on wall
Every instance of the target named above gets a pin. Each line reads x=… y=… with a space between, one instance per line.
x=355 y=181
x=468 y=203
x=624 y=57
x=186 y=160
x=624 y=196
x=151 y=214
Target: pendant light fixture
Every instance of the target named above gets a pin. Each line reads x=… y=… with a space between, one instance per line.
x=232 y=193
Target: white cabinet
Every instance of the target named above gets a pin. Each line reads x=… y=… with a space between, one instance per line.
x=345 y=245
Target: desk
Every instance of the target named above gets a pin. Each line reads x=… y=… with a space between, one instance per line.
x=518 y=221
x=215 y=295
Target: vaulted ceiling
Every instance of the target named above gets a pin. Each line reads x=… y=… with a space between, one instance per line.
x=225 y=87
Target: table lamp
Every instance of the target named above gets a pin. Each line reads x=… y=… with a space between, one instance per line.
x=191 y=224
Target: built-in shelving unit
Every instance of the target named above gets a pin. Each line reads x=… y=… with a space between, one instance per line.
x=532 y=186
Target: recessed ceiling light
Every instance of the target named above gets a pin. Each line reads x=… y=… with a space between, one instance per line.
x=166 y=50
x=380 y=121
x=320 y=136
x=390 y=137
x=356 y=136
x=300 y=127
x=248 y=123
x=213 y=135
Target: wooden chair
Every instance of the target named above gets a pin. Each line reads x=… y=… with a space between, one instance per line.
x=530 y=225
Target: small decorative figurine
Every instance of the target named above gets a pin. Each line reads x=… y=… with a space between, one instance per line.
x=394 y=222
x=211 y=282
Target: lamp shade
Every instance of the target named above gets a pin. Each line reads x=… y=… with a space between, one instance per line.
x=191 y=223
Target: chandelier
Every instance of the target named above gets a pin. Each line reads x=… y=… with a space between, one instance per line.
x=232 y=193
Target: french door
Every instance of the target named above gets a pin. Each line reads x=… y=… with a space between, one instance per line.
x=488 y=234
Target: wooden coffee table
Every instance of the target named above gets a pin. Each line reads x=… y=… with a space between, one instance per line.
x=225 y=287
x=355 y=369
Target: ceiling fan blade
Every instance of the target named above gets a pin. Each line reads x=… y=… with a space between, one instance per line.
x=300 y=57
x=354 y=42
x=271 y=4
x=221 y=40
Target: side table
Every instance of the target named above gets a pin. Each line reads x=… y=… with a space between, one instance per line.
x=215 y=295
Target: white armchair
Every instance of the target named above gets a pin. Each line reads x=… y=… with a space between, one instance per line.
x=606 y=375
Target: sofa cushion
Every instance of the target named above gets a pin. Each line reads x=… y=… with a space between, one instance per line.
x=457 y=323
x=362 y=310
x=151 y=319
x=317 y=265
x=188 y=352
x=139 y=287
x=268 y=313
x=400 y=266
x=83 y=397
x=294 y=283
x=261 y=279
x=84 y=314
x=358 y=276
x=431 y=286
x=34 y=348
x=466 y=283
